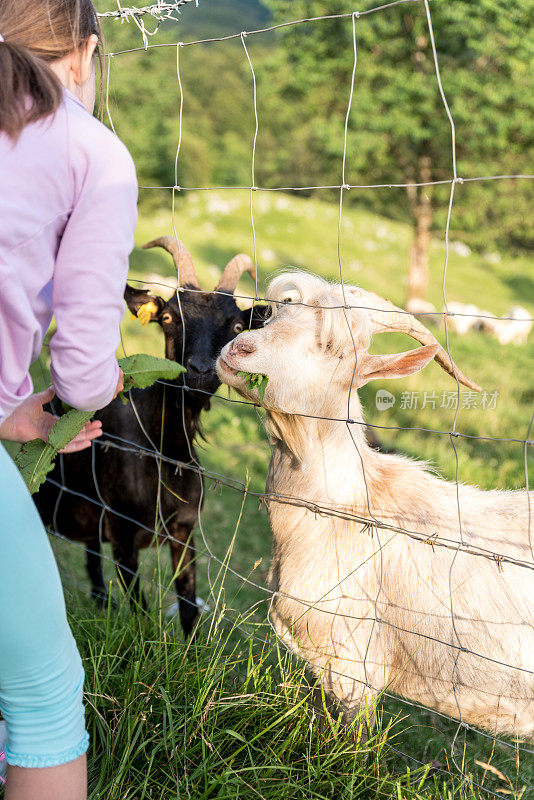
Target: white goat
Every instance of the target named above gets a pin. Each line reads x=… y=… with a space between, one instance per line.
x=513 y=330
x=424 y=310
x=368 y=606
x=462 y=318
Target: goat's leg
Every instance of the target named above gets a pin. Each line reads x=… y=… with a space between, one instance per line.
x=344 y=700
x=183 y=564
x=352 y=694
x=127 y=564
x=93 y=562
x=350 y=690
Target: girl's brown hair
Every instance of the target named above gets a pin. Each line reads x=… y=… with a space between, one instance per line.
x=36 y=33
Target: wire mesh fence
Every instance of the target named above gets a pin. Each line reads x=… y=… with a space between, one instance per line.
x=485 y=550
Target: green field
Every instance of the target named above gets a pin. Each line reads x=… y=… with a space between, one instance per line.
x=223 y=718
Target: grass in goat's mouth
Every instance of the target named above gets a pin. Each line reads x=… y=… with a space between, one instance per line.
x=256 y=380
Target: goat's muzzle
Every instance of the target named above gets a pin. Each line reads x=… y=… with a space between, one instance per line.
x=201 y=374
x=240 y=347
x=233 y=357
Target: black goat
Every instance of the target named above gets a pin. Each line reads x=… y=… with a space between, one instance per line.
x=196 y=326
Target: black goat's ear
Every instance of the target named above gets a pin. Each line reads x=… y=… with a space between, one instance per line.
x=255 y=317
x=143 y=305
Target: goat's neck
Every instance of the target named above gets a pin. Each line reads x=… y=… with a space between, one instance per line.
x=334 y=466
x=180 y=419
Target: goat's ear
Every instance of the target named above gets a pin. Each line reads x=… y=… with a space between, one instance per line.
x=137 y=299
x=398 y=365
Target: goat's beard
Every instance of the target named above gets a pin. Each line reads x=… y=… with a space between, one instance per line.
x=289 y=429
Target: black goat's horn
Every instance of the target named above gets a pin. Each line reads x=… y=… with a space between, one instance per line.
x=233 y=271
x=183 y=259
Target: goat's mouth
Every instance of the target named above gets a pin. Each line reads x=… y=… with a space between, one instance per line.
x=224 y=366
x=206 y=383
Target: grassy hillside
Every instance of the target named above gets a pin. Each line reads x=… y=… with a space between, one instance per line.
x=300 y=232
x=303 y=233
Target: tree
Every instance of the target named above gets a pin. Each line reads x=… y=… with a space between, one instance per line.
x=144 y=102
x=398 y=130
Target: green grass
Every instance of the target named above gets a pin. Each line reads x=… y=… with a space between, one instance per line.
x=223 y=717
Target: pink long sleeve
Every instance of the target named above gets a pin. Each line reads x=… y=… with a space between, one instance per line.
x=67 y=217
x=90 y=276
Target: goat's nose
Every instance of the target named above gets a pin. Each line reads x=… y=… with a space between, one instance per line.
x=241 y=347
x=199 y=366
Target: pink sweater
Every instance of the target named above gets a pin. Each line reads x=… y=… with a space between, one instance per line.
x=68 y=195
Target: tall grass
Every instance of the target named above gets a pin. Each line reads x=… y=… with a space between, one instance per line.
x=232 y=714
x=222 y=716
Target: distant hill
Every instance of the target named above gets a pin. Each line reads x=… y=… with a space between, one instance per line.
x=221 y=17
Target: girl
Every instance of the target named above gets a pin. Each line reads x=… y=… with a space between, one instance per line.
x=68 y=197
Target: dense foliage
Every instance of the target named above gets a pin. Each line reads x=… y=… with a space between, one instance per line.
x=221 y=718
x=398 y=130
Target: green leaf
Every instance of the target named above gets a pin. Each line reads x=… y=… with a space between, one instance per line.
x=261 y=387
x=142 y=370
x=255 y=380
x=67 y=427
x=35 y=459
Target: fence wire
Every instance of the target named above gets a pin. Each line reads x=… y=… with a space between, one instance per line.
x=376 y=527
x=158 y=12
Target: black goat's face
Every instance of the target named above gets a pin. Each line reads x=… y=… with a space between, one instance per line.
x=196 y=326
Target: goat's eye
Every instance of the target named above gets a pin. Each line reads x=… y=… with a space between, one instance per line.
x=290 y=296
x=166 y=317
x=238 y=327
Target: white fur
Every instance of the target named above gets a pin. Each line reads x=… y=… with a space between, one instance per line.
x=514 y=330
x=462 y=318
x=370 y=608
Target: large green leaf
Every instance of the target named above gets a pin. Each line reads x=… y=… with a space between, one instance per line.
x=143 y=370
x=67 y=427
x=35 y=459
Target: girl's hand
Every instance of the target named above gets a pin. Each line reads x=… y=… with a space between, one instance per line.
x=120 y=384
x=30 y=421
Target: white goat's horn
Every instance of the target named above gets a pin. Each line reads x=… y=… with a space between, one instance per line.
x=233 y=271
x=183 y=259
x=388 y=318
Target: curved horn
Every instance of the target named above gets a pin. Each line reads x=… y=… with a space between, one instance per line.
x=183 y=259
x=233 y=271
x=388 y=318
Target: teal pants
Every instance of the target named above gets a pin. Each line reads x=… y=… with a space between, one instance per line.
x=41 y=674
